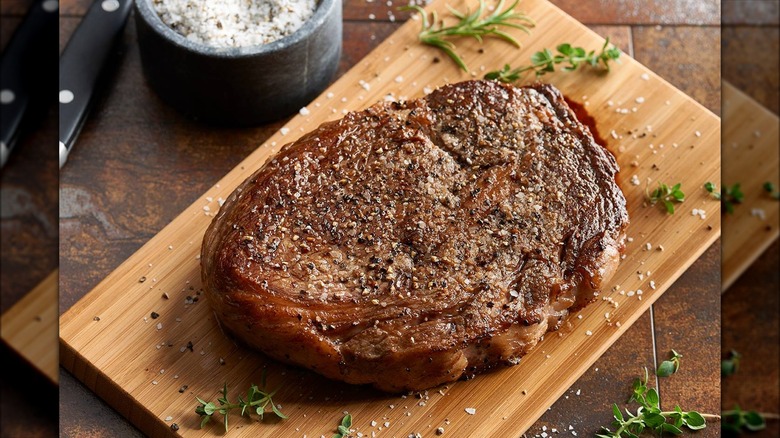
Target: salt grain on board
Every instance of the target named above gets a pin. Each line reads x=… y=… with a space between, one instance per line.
x=471 y=411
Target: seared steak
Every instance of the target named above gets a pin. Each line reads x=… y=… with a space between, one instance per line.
x=415 y=243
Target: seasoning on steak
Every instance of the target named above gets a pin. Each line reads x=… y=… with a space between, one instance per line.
x=415 y=243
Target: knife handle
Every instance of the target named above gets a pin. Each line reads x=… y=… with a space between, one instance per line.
x=82 y=63
x=16 y=87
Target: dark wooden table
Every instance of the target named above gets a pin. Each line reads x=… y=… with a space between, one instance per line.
x=138 y=163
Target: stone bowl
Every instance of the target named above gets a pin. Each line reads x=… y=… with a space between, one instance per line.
x=240 y=86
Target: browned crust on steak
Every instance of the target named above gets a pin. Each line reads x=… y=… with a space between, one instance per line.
x=415 y=243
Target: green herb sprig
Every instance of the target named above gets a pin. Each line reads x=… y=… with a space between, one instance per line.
x=343 y=428
x=256 y=401
x=728 y=196
x=730 y=365
x=669 y=367
x=666 y=196
x=770 y=189
x=471 y=24
x=650 y=416
x=544 y=62
x=738 y=421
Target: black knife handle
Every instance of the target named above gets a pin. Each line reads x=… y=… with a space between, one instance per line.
x=16 y=89
x=83 y=61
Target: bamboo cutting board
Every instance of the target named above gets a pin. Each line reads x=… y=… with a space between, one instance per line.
x=30 y=327
x=750 y=138
x=143 y=368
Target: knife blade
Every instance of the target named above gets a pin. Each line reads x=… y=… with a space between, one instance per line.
x=18 y=90
x=83 y=63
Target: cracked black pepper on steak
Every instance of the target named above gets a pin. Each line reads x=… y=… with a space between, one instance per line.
x=416 y=243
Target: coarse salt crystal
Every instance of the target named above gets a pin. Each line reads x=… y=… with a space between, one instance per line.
x=234 y=23
x=168 y=418
x=471 y=411
x=304 y=111
x=645 y=76
x=284 y=131
x=640 y=99
x=635 y=180
x=759 y=213
x=399 y=79
x=697 y=133
x=159 y=326
x=588 y=333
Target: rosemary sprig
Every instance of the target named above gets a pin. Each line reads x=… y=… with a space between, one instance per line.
x=471 y=24
x=667 y=196
x=650 y=416
x=669 y=367
x=343 y=428
x=544 y=62
x=256 y=400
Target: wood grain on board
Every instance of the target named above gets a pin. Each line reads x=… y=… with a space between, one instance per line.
x=143 y=368
x=30 y=327
x=750 y=138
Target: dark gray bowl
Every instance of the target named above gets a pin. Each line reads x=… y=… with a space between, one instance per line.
x=241 y=86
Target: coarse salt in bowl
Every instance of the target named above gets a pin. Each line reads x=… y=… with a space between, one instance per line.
x=223 y=67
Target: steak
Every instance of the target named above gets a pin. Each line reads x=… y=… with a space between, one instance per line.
x=416 y=243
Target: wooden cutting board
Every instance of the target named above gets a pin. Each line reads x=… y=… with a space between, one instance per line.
x=30 y=327
x=750 y=139
x=143 y=368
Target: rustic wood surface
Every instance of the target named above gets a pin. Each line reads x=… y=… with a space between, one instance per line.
x=104 y=230
x=100 y=229
x=28 y=251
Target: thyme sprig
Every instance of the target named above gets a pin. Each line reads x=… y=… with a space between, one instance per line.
x=343 y=428
x=730 y=365
x=650 y=416
x=544 y=62
x=769 y=188
x=669 y=367
x=257 y=400
x=737 y=421
x=730 y=197
x=666 y=195
x=471 y=24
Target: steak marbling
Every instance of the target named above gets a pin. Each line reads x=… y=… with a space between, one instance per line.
x=415 y=243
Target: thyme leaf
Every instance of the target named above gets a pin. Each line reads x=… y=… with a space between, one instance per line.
x=343 y=428
x=669 y=367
